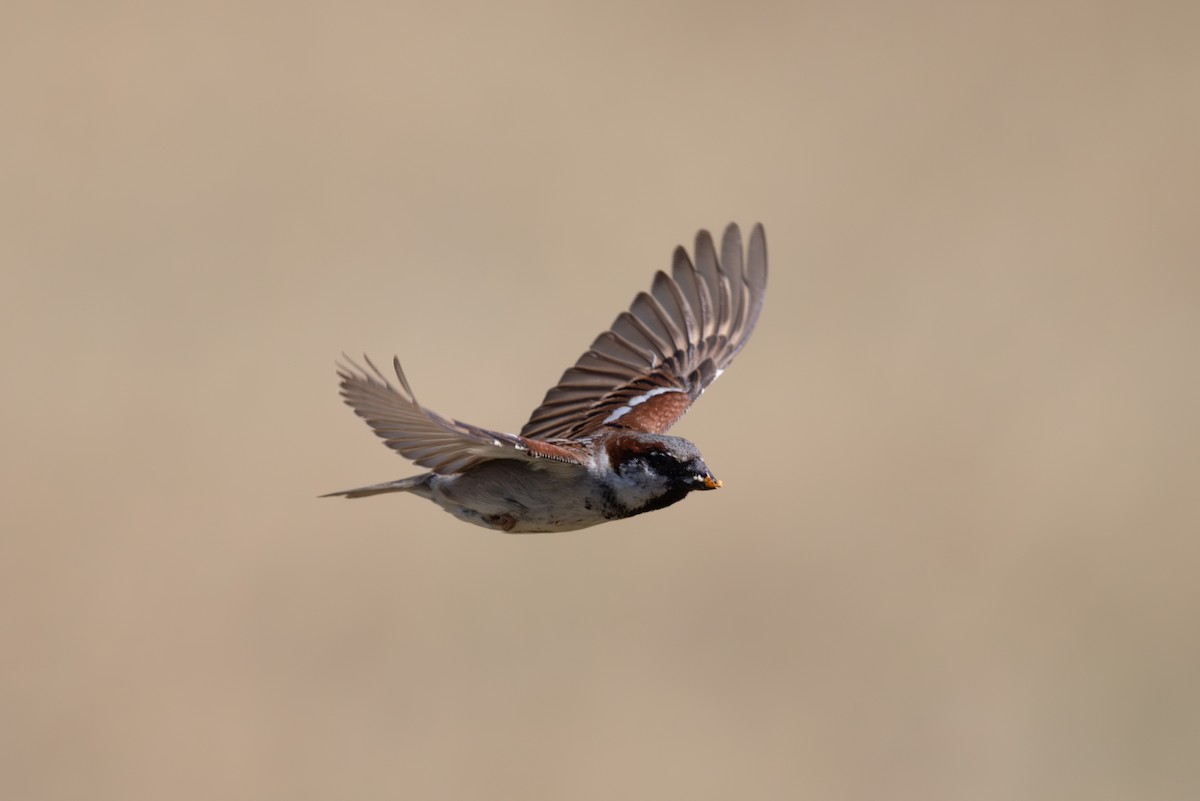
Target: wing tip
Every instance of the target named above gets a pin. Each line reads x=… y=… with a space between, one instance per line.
x=756 y=257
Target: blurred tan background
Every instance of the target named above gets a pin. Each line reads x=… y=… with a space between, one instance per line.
x=956 y=556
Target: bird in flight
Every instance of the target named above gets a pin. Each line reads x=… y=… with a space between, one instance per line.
x=596 y=449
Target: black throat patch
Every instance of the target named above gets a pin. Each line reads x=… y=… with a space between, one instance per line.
x=613 y=509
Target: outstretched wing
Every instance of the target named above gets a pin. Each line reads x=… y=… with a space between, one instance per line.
x=645 y=372
x=439 y=443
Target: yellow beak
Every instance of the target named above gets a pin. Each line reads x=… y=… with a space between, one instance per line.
x=710 y=482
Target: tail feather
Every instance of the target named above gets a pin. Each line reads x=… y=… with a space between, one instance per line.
x=413 y=483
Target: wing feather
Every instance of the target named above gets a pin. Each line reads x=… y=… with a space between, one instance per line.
x=658 y=357
x=439 y=443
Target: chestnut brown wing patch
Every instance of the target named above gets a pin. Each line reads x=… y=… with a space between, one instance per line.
x=654 y=411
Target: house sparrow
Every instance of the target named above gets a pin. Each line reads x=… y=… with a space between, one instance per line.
x=596 y=449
